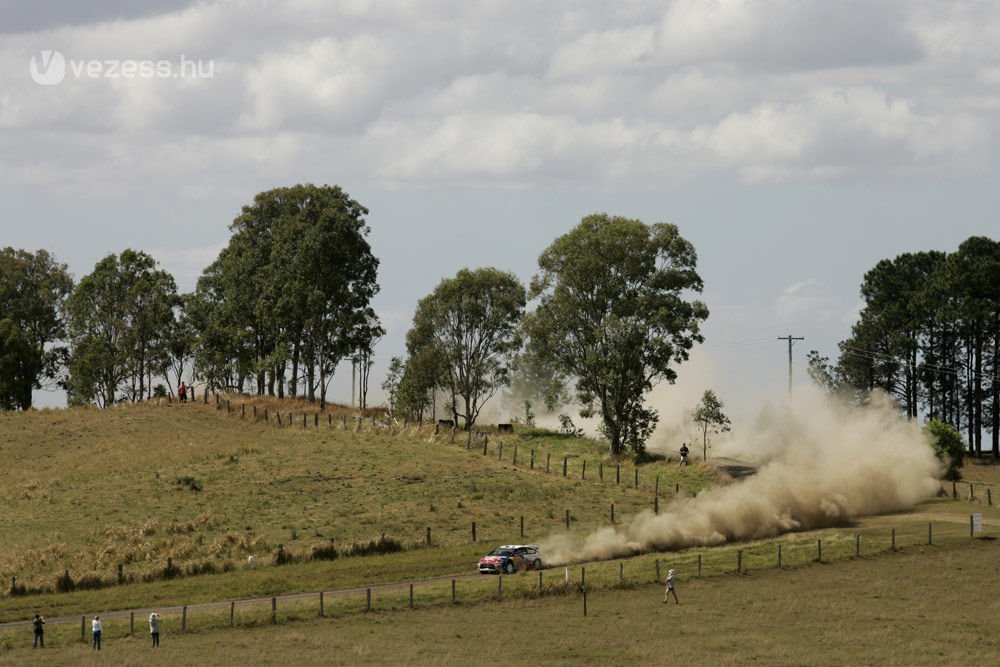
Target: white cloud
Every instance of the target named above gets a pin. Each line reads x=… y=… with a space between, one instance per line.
x=449 y=92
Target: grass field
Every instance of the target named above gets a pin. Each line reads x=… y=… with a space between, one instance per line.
x=86 y=490
x=920 y=606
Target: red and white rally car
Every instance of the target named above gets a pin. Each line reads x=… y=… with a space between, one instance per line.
x=510 y=558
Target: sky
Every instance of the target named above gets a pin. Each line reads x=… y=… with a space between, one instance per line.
x=794 y=143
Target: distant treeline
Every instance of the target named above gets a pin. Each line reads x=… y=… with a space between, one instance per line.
x=287 y=299
x=929 y=335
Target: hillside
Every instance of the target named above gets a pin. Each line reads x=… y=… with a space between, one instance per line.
x=85 y=490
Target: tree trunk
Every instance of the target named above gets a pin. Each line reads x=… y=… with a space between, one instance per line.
x=996 y=386
x=978 y=392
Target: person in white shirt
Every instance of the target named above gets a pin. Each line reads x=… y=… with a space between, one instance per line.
x=154 y=628
x=96 y=627
x=670 y=588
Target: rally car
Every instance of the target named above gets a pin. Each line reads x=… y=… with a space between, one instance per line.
x=510 y=558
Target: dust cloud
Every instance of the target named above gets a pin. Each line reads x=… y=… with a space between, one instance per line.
x=822 y=463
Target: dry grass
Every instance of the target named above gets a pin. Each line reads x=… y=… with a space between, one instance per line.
x=924 y=606
x=136 y=485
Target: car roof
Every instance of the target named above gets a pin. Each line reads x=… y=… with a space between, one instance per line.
x=518 y=546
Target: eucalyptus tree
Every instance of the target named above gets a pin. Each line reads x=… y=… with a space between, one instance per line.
x=616 y=314
x=468 y=329
x=290 y=291
x=117 y=314
x=33 y=288
x=710 y=419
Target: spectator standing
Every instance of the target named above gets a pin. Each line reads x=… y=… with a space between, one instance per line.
x=182 y=392
x=39 y=625
x=154 y=629
x=96 y=628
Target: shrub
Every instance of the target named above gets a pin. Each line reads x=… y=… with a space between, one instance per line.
x=383 y=545
x=65 y=583
x=189 y=482
x=325 y=551
x=947 y=445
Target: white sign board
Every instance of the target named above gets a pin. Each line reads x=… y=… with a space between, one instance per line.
x=977 y=522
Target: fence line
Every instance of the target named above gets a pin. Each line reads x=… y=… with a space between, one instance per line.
x=593 y=577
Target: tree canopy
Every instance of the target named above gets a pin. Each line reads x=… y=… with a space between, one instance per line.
x=616 y=316
x=929 y=335
x=464 y=334
x=33 y=288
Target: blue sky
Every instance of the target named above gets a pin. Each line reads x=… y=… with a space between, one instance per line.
x=794 y=143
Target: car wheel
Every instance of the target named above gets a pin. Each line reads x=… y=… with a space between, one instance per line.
x=509 y=568
x=537 y=565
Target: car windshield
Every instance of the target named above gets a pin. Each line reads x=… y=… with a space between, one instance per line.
x=501 y=552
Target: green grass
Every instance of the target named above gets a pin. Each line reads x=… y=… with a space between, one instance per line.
x=86 y=490
x=919 y=605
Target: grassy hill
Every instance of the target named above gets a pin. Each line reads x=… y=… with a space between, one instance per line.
x=86 y=490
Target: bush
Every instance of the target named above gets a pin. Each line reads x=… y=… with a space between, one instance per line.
x=383 y=545
x=189 y=482
x=947 y=445
x=65 y=583
x=325 y=552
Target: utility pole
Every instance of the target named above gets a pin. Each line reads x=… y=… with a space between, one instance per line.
x=791 y=339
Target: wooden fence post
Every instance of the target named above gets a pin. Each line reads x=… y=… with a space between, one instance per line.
x=618 y=473
x=428 y=535
x=819 y=549
x=485 y=445
x=539 y=582
x=411 y=596
x=368 y=599
x=621 y=575
x=893 y=539
x=548 y=460
x=637 y=478
x=657 y=492
x=243 y=410
x=989 y=496
x=532 y=465
x=583 y=577
x=779 y=556
x=121 y=574
x=522 y=525
x=322 y=611
x=567 y=519
x=267 y=418
x=954 y=491
x=274 y=609
x=930 y=533
x=857 y=545
x=657 y=570
x=972 y=491
x=612 y=512
x=565 y=464
x=473 y=531
x=739 y=561
x=131 y=623
x=515 y=454
x=184 y=618
x=83 y=636
x=499 y=586
x=584 y=601
x=453 y=594
x=500 y=451
x=600 y=470
x=583 y=475
x=699 y=566
x=232 y=613
x=656 y=504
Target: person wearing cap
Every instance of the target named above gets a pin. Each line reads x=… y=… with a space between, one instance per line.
x=670 y=588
